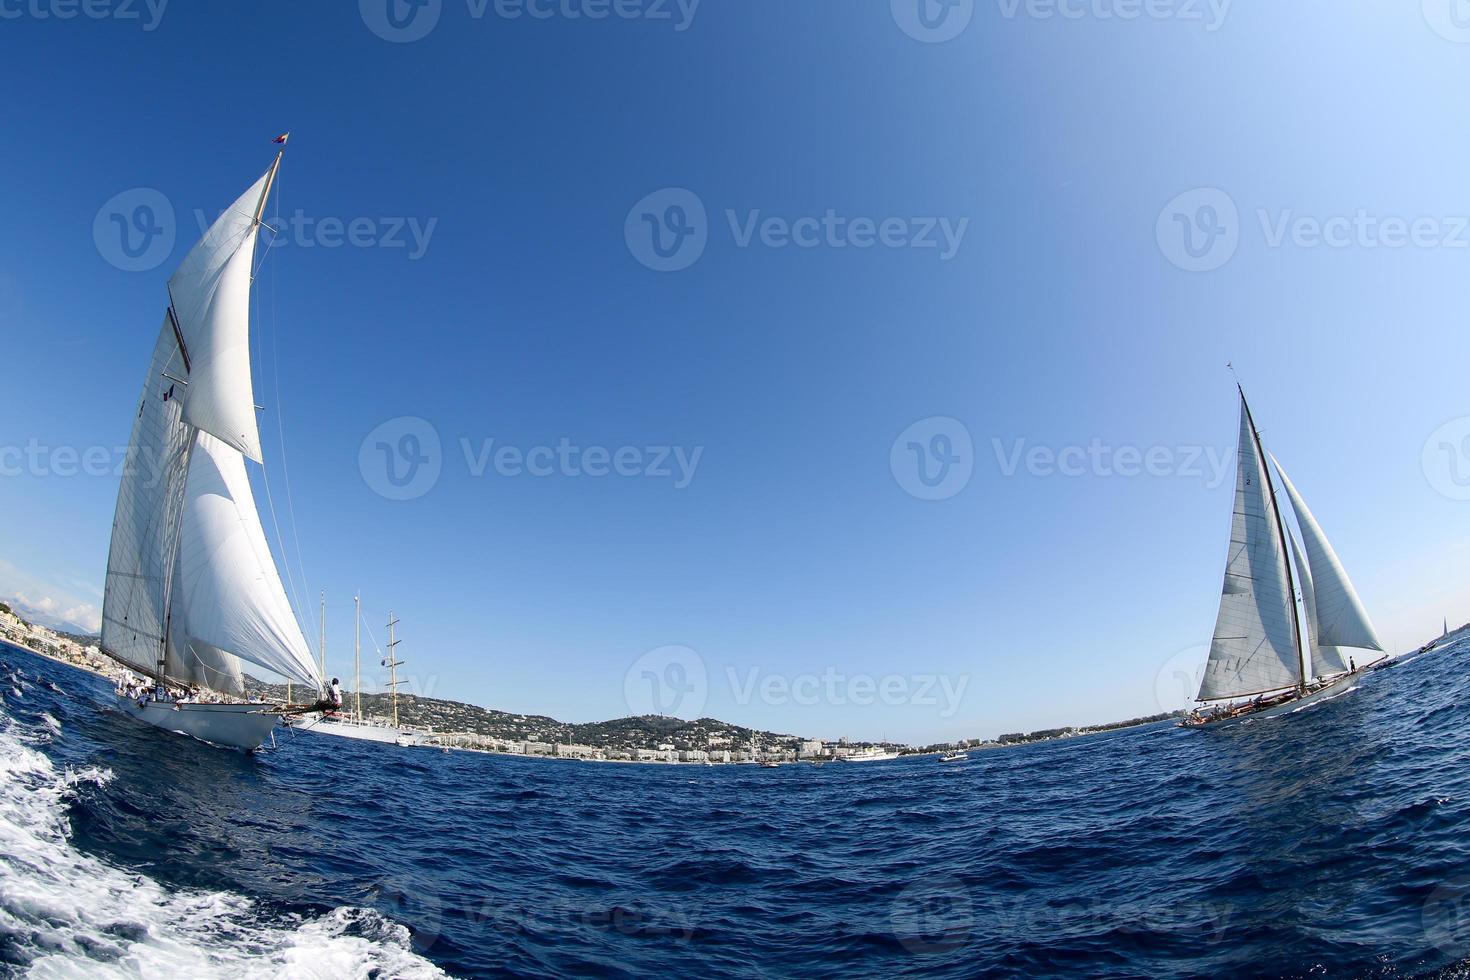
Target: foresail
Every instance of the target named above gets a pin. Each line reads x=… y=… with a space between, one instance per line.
x=145 y=525
x=192 y=661
x=1340 y=613
x=1325 y=660
x=211 y=296
x=1254 y=646
x=230 y=595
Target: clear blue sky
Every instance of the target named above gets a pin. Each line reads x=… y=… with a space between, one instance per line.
x=1063 y=316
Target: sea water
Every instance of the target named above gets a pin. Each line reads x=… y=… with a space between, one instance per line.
x=1331 y=842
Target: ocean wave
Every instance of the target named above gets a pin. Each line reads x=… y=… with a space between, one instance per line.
x=64 y=913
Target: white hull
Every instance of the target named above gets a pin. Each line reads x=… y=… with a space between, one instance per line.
x=363 y=731
x=235 y=726
x=1333 y=688
x=877 y=757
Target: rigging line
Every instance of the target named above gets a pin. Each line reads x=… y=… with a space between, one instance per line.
x=281 y=433
x=294 y=597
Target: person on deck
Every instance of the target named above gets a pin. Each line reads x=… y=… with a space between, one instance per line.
x=334 y=695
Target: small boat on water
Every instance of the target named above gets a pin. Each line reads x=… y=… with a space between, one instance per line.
x=871 y=754
x=955 y=755
x=191 y=588
x=1268 y=656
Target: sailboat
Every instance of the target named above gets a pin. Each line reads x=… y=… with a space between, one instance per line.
x=191 y=588
x=1262 y=650
x=354 y=725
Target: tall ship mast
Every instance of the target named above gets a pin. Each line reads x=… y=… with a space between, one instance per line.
x=192 y=590
x=1266 y=649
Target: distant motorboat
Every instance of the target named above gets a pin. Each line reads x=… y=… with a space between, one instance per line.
x=955 y=756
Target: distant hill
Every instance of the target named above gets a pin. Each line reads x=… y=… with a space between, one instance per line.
x=641 y=732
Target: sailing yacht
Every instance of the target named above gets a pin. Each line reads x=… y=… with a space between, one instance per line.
x=1262 y=649
x=191 y=588
x=353 y=724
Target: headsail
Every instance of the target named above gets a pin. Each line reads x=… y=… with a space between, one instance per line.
x=1342 y=620
x=1254 y=648
x=211 y=296
x=231 y=598
x=1325 y=660
x=145 y=527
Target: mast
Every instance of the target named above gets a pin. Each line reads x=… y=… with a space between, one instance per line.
x=270 y=178
x=393 y=663
x=1296 y=629
x=322 y=635
x=357 y=652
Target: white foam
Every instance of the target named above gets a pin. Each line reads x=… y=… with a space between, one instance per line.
x=73 y=915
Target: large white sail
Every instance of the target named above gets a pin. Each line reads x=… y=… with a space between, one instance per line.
x=230 y=595
x=192 y=661
x=211 y=296
x=1254 y=648
x=1340 y=615
x=1325 y=660
x=145 y=527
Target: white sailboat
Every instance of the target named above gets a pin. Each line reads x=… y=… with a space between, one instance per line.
x=192 y=589
x=353 y=724
x=1264 y=659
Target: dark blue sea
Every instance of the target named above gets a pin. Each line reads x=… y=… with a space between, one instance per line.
x=1334 y=842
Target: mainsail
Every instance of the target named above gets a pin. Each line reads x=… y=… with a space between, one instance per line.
x=1339 y=613
x=192 y=588
x=145 y=527
x=1254 y=649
